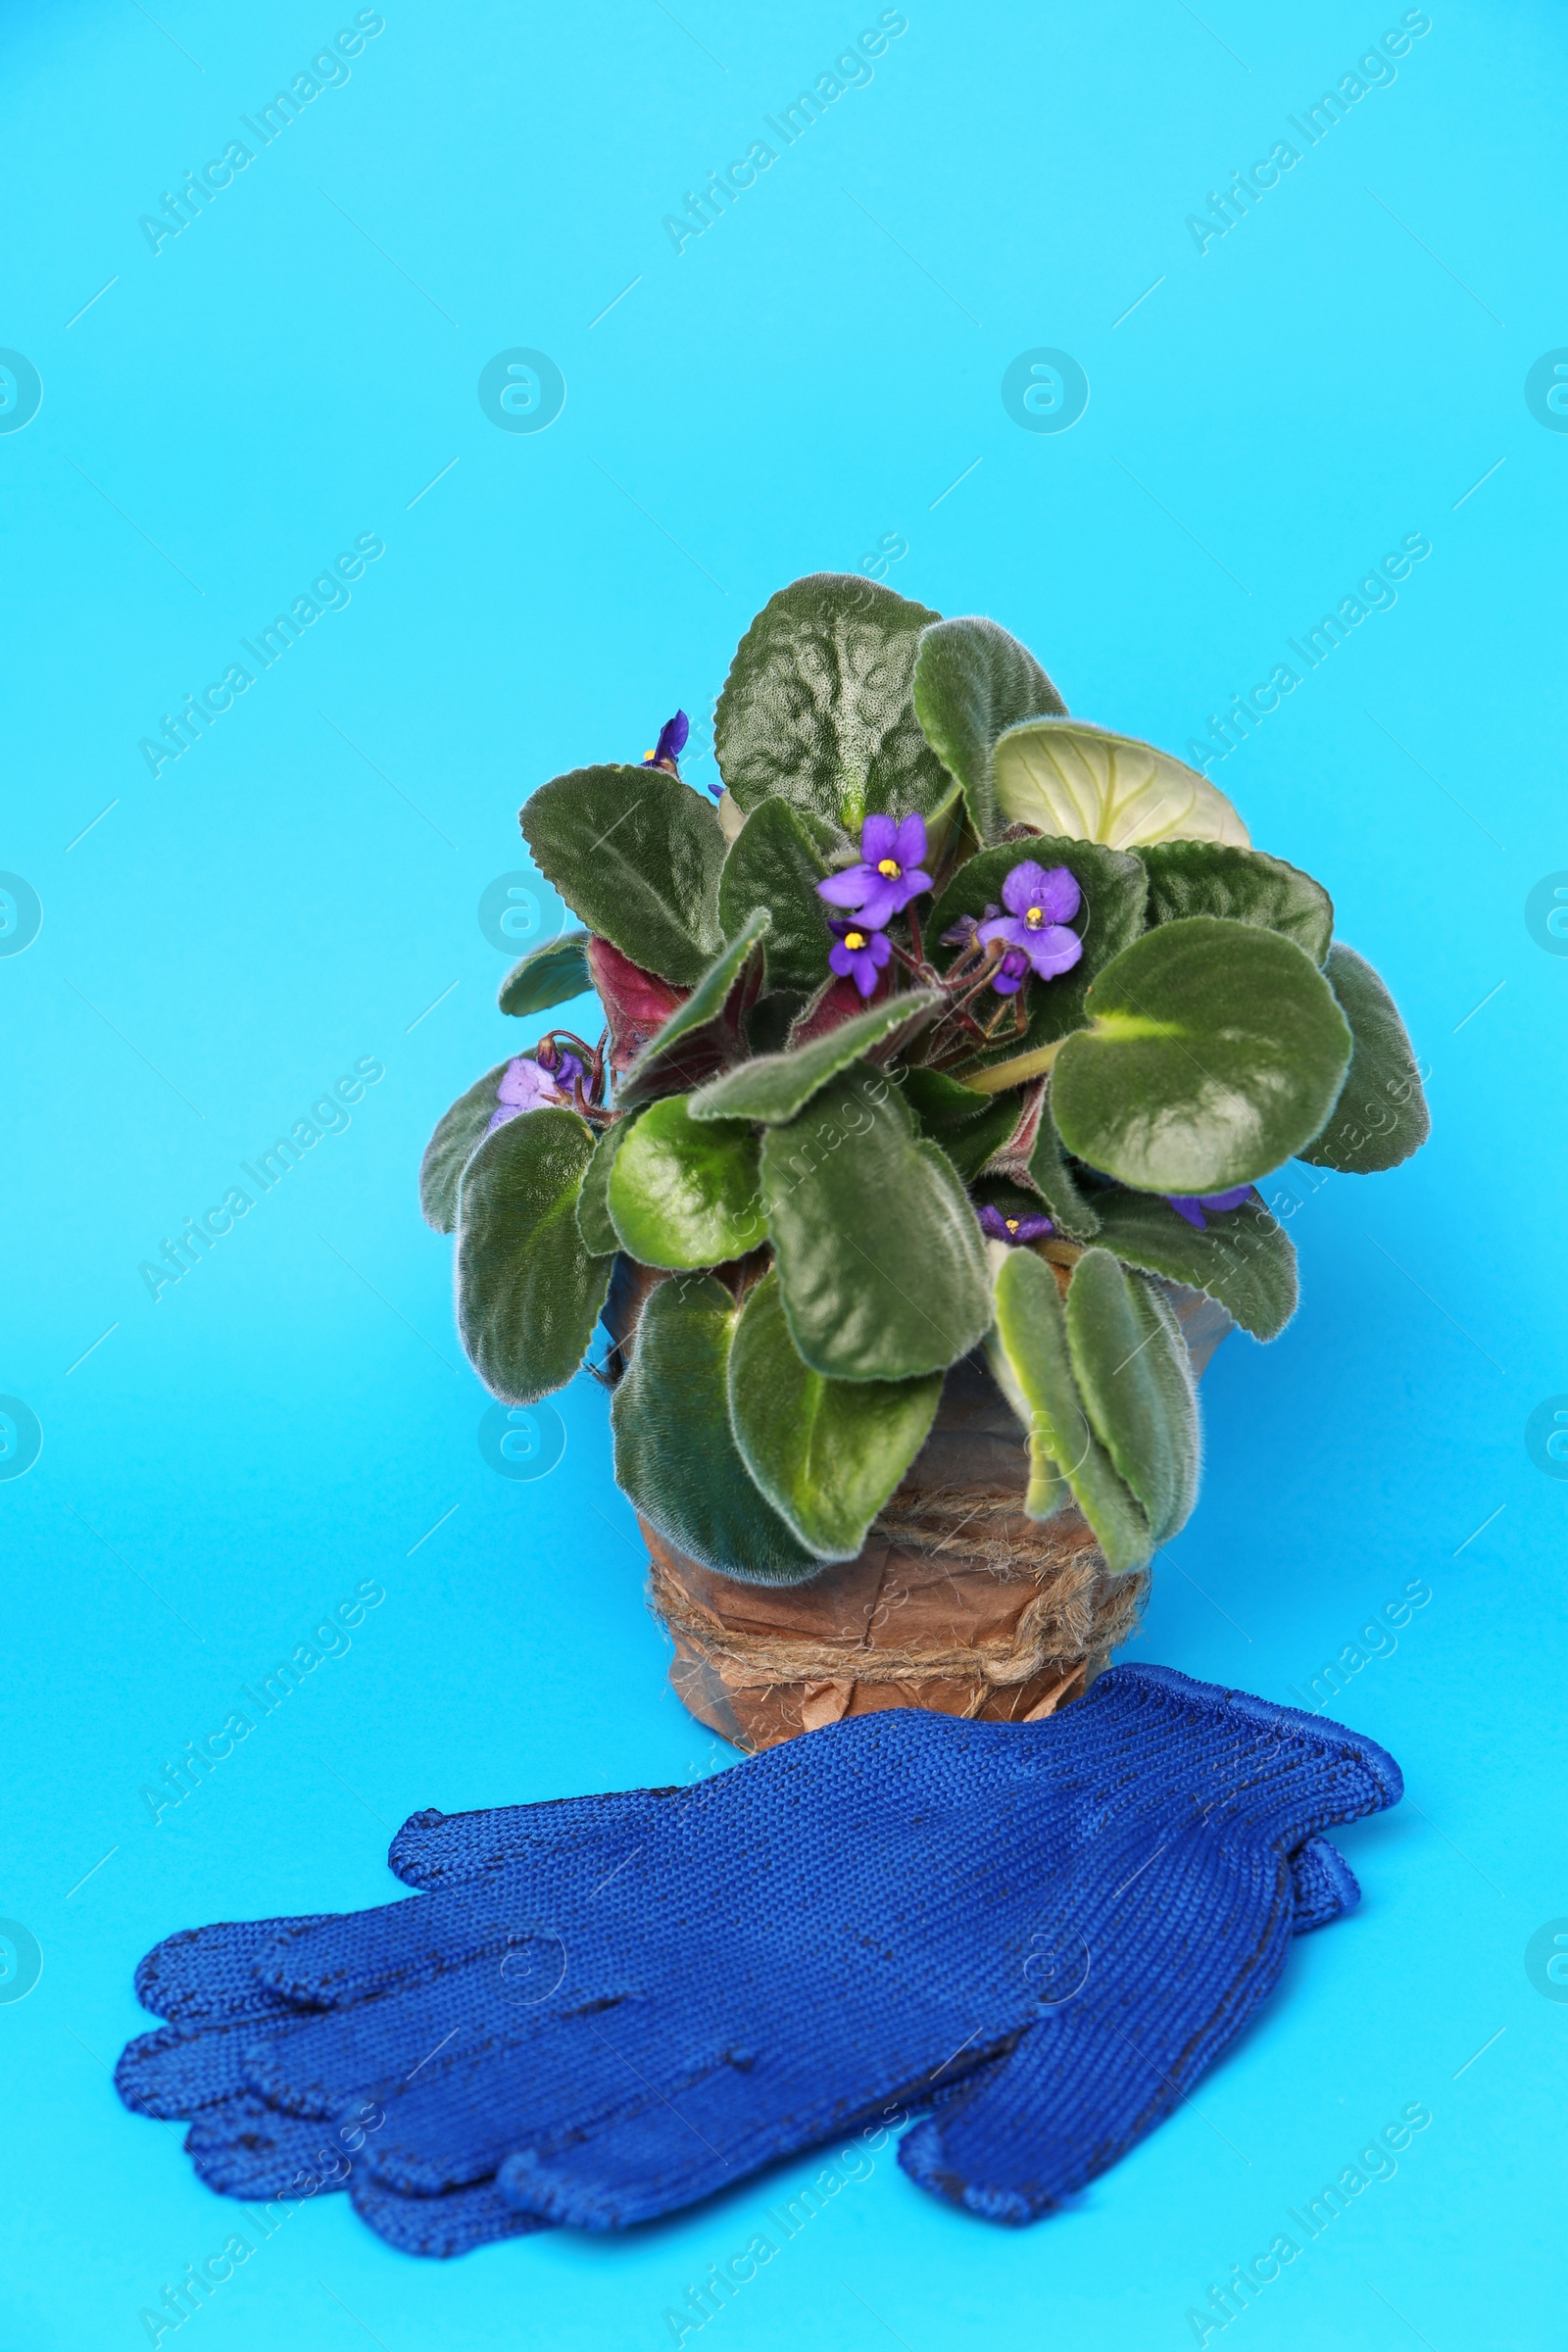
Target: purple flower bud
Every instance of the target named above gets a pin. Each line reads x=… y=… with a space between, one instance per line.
x=1192 y=1205
x=670 y=745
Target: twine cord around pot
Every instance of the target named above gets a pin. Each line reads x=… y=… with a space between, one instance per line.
x=1079 y=1608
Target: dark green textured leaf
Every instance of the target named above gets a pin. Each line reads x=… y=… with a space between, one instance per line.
x=1380 y=1116
x=1072 y=1210
x=1033 y=1363
x=1134 y=1375
x=777 y=861
x=528 y=1291
x=680 y=1195
x=971 y=681
x=1218 y=1051
x=879 y=1253
x=676 y=1455
x=636 y=854
x=816 y=709
x=457 y=1134
x=1214 y=877
x=827 y=1454
x=1243 y=1257
x=599 y=1235
x=776 y=1086
x=707 y=1031
x=972 y=1128
x=1113 y=885
x=551 y=975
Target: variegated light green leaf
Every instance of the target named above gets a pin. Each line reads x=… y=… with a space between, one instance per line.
x=1061 y=777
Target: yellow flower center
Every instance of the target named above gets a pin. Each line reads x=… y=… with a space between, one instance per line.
x=1011 y=1223
x=891 y=868
x=1033 y=919
x=854 y=941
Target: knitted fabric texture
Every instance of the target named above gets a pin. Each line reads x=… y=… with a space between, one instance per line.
x=1046 y=1931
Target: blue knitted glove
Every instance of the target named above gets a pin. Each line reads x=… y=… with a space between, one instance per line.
x=204 y=1981
x=725 y=1924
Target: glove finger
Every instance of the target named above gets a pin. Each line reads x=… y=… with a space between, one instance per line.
x=440 y=2227
x=515 y=1916
x=207 y=1973
x=1323 y=1885
x=608 y=2143
x=461 y=2118
x=437 y=1850
x=317 y=2063
x=181 y=2070
x=1097 y=2071
x=244 y=2148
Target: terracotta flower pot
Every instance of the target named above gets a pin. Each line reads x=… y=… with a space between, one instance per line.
x=957 y=1602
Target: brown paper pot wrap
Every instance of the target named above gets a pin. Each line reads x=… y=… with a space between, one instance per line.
x=957 y=1602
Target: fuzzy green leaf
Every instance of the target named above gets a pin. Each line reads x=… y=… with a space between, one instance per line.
x=680 y=1195
x=816 y=709
x=971 y=1128
x=675 y=1455
x=1134 y=1374
x=1243 y=1257
x=776 y=1086
x=1380 y=1116
x=827 y=1454
x=879 y=1253
x=1061 y=777
x=636 y=855
x=1033 y=1363
x=777 y=861
x=1214 y=877
x=707 y=1032
x=1218 y=1051
x=1113 y=886
x=599 y=1235
x=552 y=975
x=972 y=682
x=1073 y=1212
x=458 y=1135
x=528 y=1291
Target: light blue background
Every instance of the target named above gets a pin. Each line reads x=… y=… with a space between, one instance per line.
x=797 y=389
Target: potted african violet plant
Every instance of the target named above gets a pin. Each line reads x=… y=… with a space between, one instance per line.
x=912 y=1174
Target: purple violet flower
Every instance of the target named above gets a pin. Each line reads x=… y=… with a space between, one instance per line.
x=670 y=745
x=1041 y=901
x=859 y=953
x=1192 y=1205
x=1014 y=1230
x=526 y=1084
x=889 y=874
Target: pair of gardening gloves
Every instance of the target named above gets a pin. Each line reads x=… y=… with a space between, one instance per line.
x=600 y=2010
